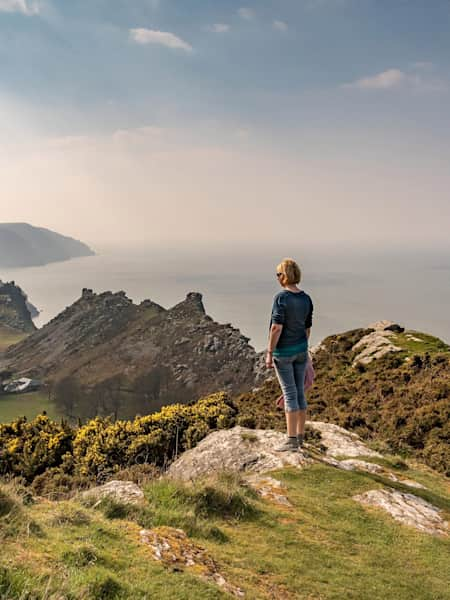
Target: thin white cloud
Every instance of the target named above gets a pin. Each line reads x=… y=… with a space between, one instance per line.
x=19 y=6
x=387 y=79
x=219 y=28
x=280 y=25
x=140 y=35
x=418 y=80
x=246 y=13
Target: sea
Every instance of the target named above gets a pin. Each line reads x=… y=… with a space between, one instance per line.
x=350 y=286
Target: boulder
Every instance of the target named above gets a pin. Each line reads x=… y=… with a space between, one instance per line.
x=122 y=491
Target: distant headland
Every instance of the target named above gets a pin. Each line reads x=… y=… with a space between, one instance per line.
x=23 y=245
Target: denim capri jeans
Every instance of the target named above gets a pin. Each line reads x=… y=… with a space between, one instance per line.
x=290 y=371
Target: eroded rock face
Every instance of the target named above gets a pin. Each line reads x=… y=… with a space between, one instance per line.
x=173 y=548
x=122 y=491
x=104 y=337
x=238 y=449
x=407 y=509
x=377 y=343
x=340 y=442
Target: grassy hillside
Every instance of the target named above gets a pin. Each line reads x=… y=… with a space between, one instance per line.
x=9 y=336
x=57 y=545
x=401 y=401
x=326 y=546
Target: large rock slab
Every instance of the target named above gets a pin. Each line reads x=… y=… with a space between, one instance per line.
x=340 y=442
x=407 y=509
x=237 y=449
x=122 y=491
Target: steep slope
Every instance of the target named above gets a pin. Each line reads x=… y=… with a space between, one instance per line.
x=400 y=397
x=22 y=245
x=104 y=337
x=14 y=308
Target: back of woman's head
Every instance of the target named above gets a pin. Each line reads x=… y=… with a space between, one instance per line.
x=290 y=272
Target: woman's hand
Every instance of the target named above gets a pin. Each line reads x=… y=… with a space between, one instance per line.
x=269 y=360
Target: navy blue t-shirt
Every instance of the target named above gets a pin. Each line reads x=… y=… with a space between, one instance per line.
x=294 y=311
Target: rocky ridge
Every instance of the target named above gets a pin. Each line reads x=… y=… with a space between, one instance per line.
x=102 y=336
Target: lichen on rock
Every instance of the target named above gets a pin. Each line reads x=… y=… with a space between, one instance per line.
x=173 y=548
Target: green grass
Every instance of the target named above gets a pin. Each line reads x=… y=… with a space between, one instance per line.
x=327 y=546
x=9 y=336
x=427 y=343
x=30 y=405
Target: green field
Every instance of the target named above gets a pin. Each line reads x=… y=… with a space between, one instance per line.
x=9 y=336
x=30 y=405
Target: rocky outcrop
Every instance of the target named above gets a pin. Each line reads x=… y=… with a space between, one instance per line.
x=181 y=350
x=121 y=491
x=340 y=442
x=377 y=343
x=407 y=509
x=14 y=308
x=173 y=548
x=22 y=245
x=238 y=450
x=254 y=450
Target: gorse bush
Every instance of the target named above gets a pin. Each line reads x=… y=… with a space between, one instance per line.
x=102 y=447
x=29 y=448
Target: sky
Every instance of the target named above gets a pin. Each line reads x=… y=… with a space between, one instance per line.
x=199 y=121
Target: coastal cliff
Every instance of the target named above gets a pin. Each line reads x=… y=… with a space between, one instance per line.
x=22 y=245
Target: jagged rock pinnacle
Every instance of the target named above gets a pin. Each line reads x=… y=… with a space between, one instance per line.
x=191 y=305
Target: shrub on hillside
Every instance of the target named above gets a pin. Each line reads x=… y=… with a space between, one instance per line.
x=46 y=451
x=28 y=448
x=404 y=403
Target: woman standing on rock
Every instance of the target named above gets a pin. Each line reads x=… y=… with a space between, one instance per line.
x=287 y=352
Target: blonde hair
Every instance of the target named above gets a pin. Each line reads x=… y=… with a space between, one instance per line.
x=291 y=273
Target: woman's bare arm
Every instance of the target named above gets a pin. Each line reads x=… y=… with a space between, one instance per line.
x=274 y=336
